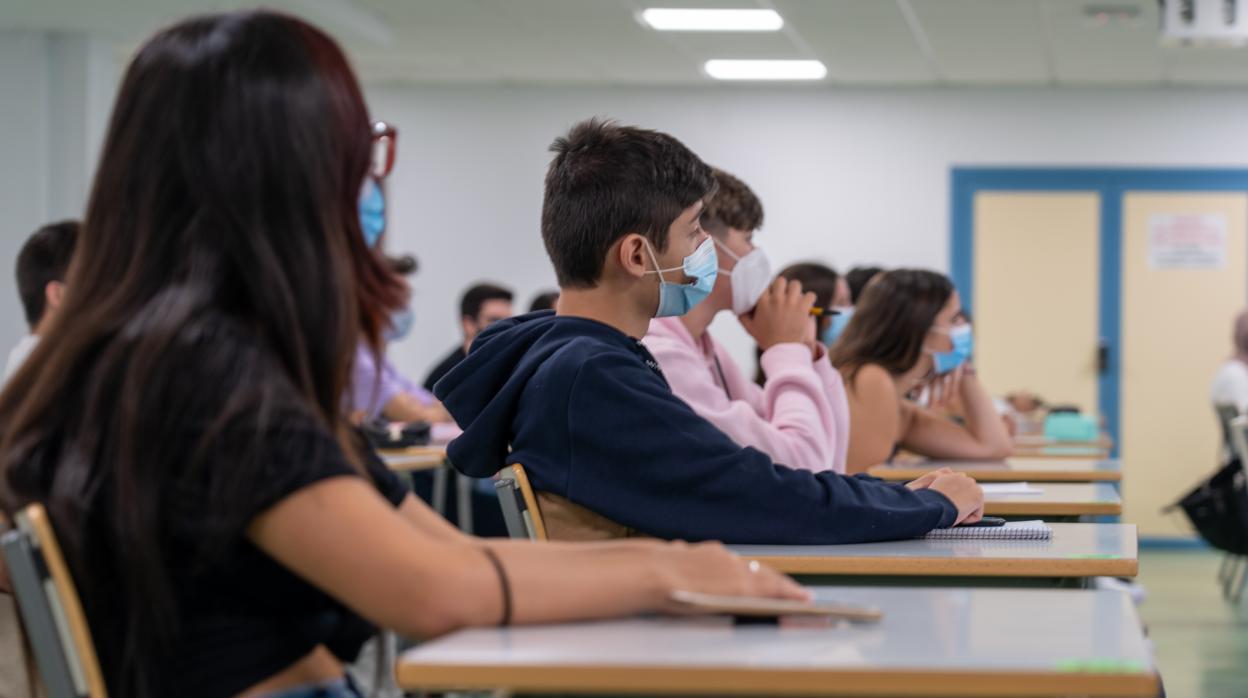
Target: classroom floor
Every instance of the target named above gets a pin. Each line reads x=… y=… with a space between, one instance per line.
x=1201 y=640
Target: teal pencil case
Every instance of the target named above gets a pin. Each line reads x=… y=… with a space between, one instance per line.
x=1068 y=426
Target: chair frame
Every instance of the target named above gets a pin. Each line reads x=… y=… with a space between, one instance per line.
x=1233 y=572
x=521 y=511
x=51 y=610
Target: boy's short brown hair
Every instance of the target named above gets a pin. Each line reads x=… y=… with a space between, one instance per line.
x=734 y=205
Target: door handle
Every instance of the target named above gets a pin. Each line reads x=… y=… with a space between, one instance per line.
x=1102 y=357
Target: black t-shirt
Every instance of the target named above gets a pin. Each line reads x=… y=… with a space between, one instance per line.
x=444 y=367
x=246 y=617
x=227 y=438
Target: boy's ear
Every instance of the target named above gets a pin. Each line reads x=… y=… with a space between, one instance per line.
x=633 y=256
x=54 y=294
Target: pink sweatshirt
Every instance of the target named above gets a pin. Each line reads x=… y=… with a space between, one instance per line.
x=800 y=417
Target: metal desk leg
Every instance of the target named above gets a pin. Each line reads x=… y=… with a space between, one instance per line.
x=384 y=685
x=439 y=490
x=463 y=491
x=1236 y=564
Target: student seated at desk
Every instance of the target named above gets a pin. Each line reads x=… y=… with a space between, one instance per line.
x=378 y=389
x=481 y=306
x=42 y=265
x=830 y=291
x=578 y=400
x=858 y=278
x=904 y=337
x=226 y=530
x=799 y=416
x=939 y=398
x=854 y=282
x=1230 y=385
x=544 y=301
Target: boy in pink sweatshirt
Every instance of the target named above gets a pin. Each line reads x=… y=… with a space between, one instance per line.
x=800 y=416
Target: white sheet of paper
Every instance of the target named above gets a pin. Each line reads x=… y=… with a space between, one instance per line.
x=991 y=488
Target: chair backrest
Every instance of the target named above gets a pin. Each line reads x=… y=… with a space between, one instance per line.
x=51 y=611
x=519 y=504
x=511 y=501
x=1226 y=414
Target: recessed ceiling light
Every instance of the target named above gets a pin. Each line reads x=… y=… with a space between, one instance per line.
x=679 y=19
x=765 y=70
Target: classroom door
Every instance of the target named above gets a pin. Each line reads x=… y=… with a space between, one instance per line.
x=1115 y=290
x=1035 y=287
x=1183 y=262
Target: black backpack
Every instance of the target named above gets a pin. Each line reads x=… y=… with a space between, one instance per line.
x=1218 y=508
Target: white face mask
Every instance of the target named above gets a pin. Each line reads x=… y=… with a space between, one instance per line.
x=750 y=278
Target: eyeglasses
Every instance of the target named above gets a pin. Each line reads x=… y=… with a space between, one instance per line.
x=385 y=143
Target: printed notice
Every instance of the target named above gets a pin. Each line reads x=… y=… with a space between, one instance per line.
x=1187 y=241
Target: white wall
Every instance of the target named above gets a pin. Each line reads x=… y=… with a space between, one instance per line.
x=846 y=177
x=56 y=91
x=23 y=163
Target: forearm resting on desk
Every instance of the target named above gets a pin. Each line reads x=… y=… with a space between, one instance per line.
x=345 y=539
x=406 y=408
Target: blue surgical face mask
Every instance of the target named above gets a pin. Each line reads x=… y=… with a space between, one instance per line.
x=372 y=212
x=837 y=325
x=401 y=322
x=963 y=345
x=678 y=299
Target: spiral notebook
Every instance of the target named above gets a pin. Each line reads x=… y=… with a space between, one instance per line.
x=1011 y=530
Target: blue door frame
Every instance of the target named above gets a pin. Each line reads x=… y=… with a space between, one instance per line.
x=1110 y=184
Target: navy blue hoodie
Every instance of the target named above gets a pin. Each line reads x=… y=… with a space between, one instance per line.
x=586 y=410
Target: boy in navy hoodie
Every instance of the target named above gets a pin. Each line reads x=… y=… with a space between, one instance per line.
x=578 y=401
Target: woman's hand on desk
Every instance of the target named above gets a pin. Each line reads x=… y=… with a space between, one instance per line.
x=710 y=568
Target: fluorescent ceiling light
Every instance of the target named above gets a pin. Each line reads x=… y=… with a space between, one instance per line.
x=696 y=20
x=765 y=70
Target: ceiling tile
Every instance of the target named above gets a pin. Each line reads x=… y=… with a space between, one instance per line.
x=860 y=41
x=1085 y=52
x=985 y=41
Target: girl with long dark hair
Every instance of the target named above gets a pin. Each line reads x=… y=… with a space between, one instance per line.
x=906 y=335
x=182 y=419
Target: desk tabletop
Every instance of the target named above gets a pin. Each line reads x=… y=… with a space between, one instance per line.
x=1076 y=550
x=1057 y=499
x=1011 y=470
x=414 y=458
x=931 y=642
x=1061 y=451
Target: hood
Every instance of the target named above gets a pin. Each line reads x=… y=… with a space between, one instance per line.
x=483 y=392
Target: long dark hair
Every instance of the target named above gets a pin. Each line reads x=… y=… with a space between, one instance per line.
x=228 y=184
x=858 y=278
x=891 y=321
x=816 y=278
